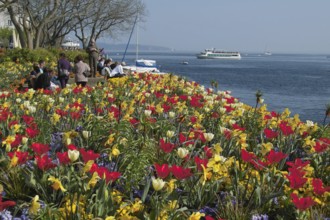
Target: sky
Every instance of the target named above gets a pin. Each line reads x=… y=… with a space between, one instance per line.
x=279 y=26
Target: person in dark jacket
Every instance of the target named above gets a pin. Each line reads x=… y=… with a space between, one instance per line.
x=64 y=66
x=42 y=80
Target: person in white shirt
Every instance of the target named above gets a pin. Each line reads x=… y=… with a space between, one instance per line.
x=118 y=71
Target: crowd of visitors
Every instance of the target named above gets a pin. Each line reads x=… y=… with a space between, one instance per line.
x=43 y=77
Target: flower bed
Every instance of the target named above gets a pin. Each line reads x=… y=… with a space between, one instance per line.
x=157 y=147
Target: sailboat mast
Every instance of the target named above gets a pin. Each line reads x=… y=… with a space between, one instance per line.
x=130 y=36
x=137 y=37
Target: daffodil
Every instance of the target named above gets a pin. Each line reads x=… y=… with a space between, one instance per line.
x=56 y=183
x=7 y=142
x=170 y=186
x=196 y=216
x=14 y=161
x=35 y=205
x=88 y=166
x=92 y=182
x=266 y=147
x=55 y=118
x=115 y=151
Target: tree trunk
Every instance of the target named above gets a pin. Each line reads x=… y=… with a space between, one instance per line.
x=18 y=27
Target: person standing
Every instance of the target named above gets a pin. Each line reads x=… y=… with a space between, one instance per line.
x=79 y=70
x=63 y=69
x=93 y=53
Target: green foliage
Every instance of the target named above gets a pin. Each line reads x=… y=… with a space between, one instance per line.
x=50 y=55
x=5 y=34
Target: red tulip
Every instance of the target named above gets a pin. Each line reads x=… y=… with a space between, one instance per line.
x=28 y=119
x=296 y=178
x=237 y=127
x=88 y=155
x=40 y=149
x=196 y=101
x=166 y=108
x=31 y=132
x=199 y=162
x=166 y=147
x=322 y=145
x=162 y=170
x=44 y=162
x=285 y=128
x=105 y=173
x=208 y=152
x=61 y=112
x=270 y=134
x=17 y=141
x=182 y=138
x=75 y=115
x=5 y=204
x=247 y=156
x=298 y=163
x=22 y=156
x=180 y=172
x=302 y=203
x=318 y=187
x=71 y=147
x=275 y=157
x=183 y=97
x=63 y=158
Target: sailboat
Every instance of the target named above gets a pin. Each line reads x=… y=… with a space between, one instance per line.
x=267 y=52
x=141 y=65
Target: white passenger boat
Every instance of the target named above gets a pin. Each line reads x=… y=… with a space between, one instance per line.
x=218 y=54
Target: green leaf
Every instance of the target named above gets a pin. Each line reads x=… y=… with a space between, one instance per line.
x=146 y=190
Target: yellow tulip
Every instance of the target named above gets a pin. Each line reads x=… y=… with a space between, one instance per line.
x=86 y=134
x=73 y=155
x=158 y=183
x=182 y=152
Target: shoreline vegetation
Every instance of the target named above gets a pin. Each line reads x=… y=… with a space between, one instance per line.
x=150 y=146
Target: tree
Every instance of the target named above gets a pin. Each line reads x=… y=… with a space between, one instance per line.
x=47 y=22
x=30 y=17
x=107 y=17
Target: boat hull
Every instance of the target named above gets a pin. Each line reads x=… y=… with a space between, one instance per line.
x=143 y=66
x=141 y=69
x=219 y=57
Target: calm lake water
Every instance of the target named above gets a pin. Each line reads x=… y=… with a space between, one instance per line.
x=298 y=82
